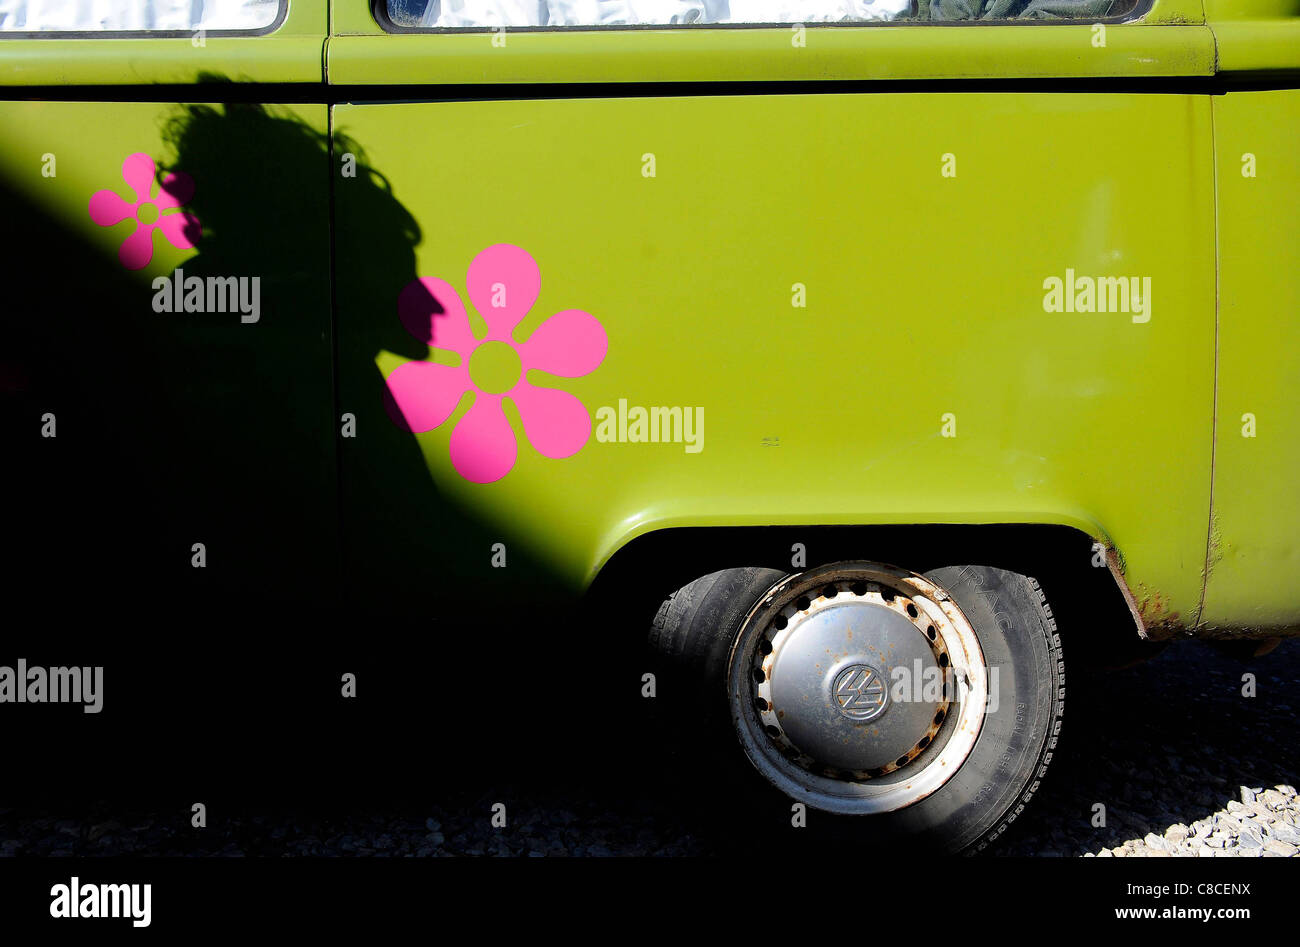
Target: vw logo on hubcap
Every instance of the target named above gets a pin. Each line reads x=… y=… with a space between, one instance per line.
x=860 y=692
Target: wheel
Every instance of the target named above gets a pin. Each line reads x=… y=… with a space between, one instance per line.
x=921 y=706
x=696 y=625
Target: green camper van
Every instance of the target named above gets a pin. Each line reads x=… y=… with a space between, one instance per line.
x=854 y=343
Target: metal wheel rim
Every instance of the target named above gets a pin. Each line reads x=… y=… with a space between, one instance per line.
x=827 y=788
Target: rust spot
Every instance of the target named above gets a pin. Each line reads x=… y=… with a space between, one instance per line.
x=1213 y=549
x=1153 y=607
x=1116 y=566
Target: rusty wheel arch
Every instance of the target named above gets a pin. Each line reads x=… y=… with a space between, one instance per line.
x=1100 y=615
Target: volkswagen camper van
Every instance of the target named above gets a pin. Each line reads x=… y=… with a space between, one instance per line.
x=846 y=346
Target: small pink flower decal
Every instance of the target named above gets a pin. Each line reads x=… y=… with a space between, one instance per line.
x=161 y=212
x=503 y=282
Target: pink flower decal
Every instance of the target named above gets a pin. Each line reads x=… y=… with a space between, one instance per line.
x=503 y=282
x=161 y=212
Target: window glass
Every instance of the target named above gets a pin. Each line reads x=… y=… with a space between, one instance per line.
x=133 y=15
x=451 y=14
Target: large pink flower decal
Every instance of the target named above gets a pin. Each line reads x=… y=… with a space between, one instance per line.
x=151 y=212
x=503 y=282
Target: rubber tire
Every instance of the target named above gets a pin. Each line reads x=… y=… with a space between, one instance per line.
x=697 y=624
x=1018 y=636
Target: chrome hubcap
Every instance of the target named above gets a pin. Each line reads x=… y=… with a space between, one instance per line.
x=830 y=665
x=857 y=687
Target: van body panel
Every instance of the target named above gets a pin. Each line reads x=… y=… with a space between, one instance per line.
x=210 y=424
x=1254 y=550
x=924 y=303
x=292 y=51
x=742 y=54
x=850 y=291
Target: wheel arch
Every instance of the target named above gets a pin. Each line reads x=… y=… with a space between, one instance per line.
x=1082 y=574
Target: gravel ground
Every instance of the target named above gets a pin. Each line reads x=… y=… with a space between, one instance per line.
x=1182 y=763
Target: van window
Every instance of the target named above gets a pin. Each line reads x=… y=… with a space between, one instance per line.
x=98 y=16
x=461 y=14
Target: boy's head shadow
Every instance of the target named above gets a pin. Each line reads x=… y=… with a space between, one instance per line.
x=181 y=428
x=308 y=211
x=185 y=427
x=265 y=179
